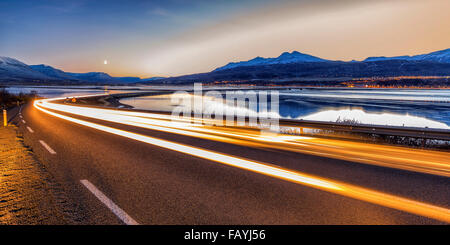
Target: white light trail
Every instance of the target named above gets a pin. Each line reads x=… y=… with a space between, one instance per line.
x=355 y=192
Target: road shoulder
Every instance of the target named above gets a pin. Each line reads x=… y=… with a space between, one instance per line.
x=28 y=192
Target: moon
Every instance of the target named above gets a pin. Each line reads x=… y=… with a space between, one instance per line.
x=105 y=62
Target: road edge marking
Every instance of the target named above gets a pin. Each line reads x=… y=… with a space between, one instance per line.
x=122 y=215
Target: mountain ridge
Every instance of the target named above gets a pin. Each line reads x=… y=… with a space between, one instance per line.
x=284 y=58
x=441 y=56
x=16 y=71
x=287 y=66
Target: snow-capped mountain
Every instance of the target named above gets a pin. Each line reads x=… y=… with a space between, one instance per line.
x=138 y=79
x=284 y=58
x=149 y=79
x=296 y=66
x=442 y=56
x=129 y=79
x=10 y=61
x=12 y=69
x=94 y=77
x=287 y=66
x=52 y=72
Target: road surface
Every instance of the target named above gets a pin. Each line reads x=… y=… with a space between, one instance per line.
x=162 y=179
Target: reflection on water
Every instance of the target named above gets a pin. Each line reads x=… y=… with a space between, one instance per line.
x=58 y=91
x=408 y=107
x=414 y=108
x=363 y=117
x=437 y=95
x=430 y=104
x=52 y=92
x=156 y=102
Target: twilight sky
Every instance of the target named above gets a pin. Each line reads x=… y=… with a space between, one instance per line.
x=175 y=37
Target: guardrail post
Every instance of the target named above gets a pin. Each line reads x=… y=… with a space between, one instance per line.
x=5 y=118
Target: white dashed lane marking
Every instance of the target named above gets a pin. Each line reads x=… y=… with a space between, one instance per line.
x=49 y=149
x=110 y=204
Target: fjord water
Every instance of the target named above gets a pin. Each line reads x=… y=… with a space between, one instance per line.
x=395 y=107
x=67 y=91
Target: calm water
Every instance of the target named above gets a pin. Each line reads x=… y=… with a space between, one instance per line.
x=58 y=91
x=400 y=107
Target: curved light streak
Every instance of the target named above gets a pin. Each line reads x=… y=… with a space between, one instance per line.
x=430 y=162
x=371 y=196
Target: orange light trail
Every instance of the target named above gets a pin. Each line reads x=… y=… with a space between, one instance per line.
x=371 y=196
x=423 y=161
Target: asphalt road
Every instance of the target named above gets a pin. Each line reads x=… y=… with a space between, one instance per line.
x=148 y=184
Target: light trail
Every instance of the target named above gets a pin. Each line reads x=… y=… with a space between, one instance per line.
x=371 y=196
x=430 y=162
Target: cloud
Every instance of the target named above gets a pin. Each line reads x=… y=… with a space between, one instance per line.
x=158 y=11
